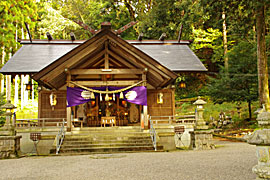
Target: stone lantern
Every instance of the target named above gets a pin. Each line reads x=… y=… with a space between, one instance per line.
x=9 y=142
x=201 y=137
x=8 y=128
x=200 y=123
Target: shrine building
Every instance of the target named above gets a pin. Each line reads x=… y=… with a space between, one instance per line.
x=106 y=80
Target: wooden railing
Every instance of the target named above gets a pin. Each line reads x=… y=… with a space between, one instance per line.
x=39 y=122
x=181 y=119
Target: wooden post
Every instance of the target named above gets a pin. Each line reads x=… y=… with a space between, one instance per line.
x=118 y=113
x=68 y=108
x=96 y=122
x=145 y=118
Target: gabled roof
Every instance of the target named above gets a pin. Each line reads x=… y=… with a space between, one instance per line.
x=91 y=55
x=34 y=56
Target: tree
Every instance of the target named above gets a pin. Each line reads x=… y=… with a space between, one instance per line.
x=240 y=82
x=262 y=57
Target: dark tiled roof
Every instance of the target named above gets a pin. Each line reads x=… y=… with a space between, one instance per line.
x=174 y=57
x=32 y=58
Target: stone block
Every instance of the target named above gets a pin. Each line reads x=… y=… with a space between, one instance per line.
x=9 y=146
x=166 y=139
x=201 y=140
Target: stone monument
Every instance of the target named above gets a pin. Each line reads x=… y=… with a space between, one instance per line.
x=9 y=142
x=201 y=137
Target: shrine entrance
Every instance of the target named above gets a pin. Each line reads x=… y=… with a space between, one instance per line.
x=114 y=112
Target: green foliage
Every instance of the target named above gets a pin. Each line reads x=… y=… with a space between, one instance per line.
x=13 y=14
x=194 y=82
x=30 y=111
x=240 y=84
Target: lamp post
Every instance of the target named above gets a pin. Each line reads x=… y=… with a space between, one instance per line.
x=8 y=128
x=200 y=123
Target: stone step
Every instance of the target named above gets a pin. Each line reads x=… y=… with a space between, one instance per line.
x=107 y=149
x=107 y=141
x=107 y=129
x=77 y=146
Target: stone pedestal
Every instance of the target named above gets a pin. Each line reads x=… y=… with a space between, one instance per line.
x=9 y=146
x=201 y=140
x=261 y=138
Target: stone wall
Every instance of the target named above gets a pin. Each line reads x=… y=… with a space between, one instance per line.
x=9 y=146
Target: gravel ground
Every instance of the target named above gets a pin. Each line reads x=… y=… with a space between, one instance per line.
x=230 y=161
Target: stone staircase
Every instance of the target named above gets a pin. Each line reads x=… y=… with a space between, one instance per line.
x=107 y=140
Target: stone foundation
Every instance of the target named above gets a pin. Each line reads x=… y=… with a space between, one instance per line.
x=9 y=146
x=201 y=140
x=166 y=139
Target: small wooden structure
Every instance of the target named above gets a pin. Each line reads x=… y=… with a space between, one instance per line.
x=102 y=61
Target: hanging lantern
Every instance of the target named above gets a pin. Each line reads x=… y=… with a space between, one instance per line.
x=107 y=97
x=100 y=97
x=92 y=95
x=53 y=100
x=121 y=95
x=182 y=84
x=160 y=98
x=28 y=87
x=93 y=103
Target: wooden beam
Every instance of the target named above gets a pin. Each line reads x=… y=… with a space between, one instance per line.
x=105 y=83
x=91 y=60
x=112 y=61
x=105 y=71
x=106 y=56
x=121 y=60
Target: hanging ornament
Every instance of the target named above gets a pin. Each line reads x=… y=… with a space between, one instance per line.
x=121 y=95
x=92 y=95
x=107 y=97
x=100 y=97
x=113 y=97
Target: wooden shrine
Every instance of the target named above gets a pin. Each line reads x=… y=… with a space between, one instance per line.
x=105 y=60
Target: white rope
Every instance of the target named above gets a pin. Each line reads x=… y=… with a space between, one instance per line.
x=106 y=92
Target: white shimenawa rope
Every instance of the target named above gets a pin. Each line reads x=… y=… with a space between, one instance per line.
x=106 y=92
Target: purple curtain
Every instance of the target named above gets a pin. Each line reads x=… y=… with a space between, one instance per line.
x=136 y=95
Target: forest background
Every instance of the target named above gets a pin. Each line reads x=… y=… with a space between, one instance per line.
x=224 y=35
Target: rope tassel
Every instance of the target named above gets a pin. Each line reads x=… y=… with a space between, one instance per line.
x=107 y=97
x=121 y=95
x=92 y=95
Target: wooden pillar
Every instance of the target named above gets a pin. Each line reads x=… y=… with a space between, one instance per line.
x=68 y=108
x=96 y=122
x=145 y=113
x=118 y=113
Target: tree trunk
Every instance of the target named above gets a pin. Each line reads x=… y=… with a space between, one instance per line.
x=249 y=110
x=33 y=92
x=22 y=91
x=16 y=89
x=225 y=41
x=130 y=10
x=16 y=93
x=261 y=57
x=26 y=94
x=8 y=84
x=2 y=76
